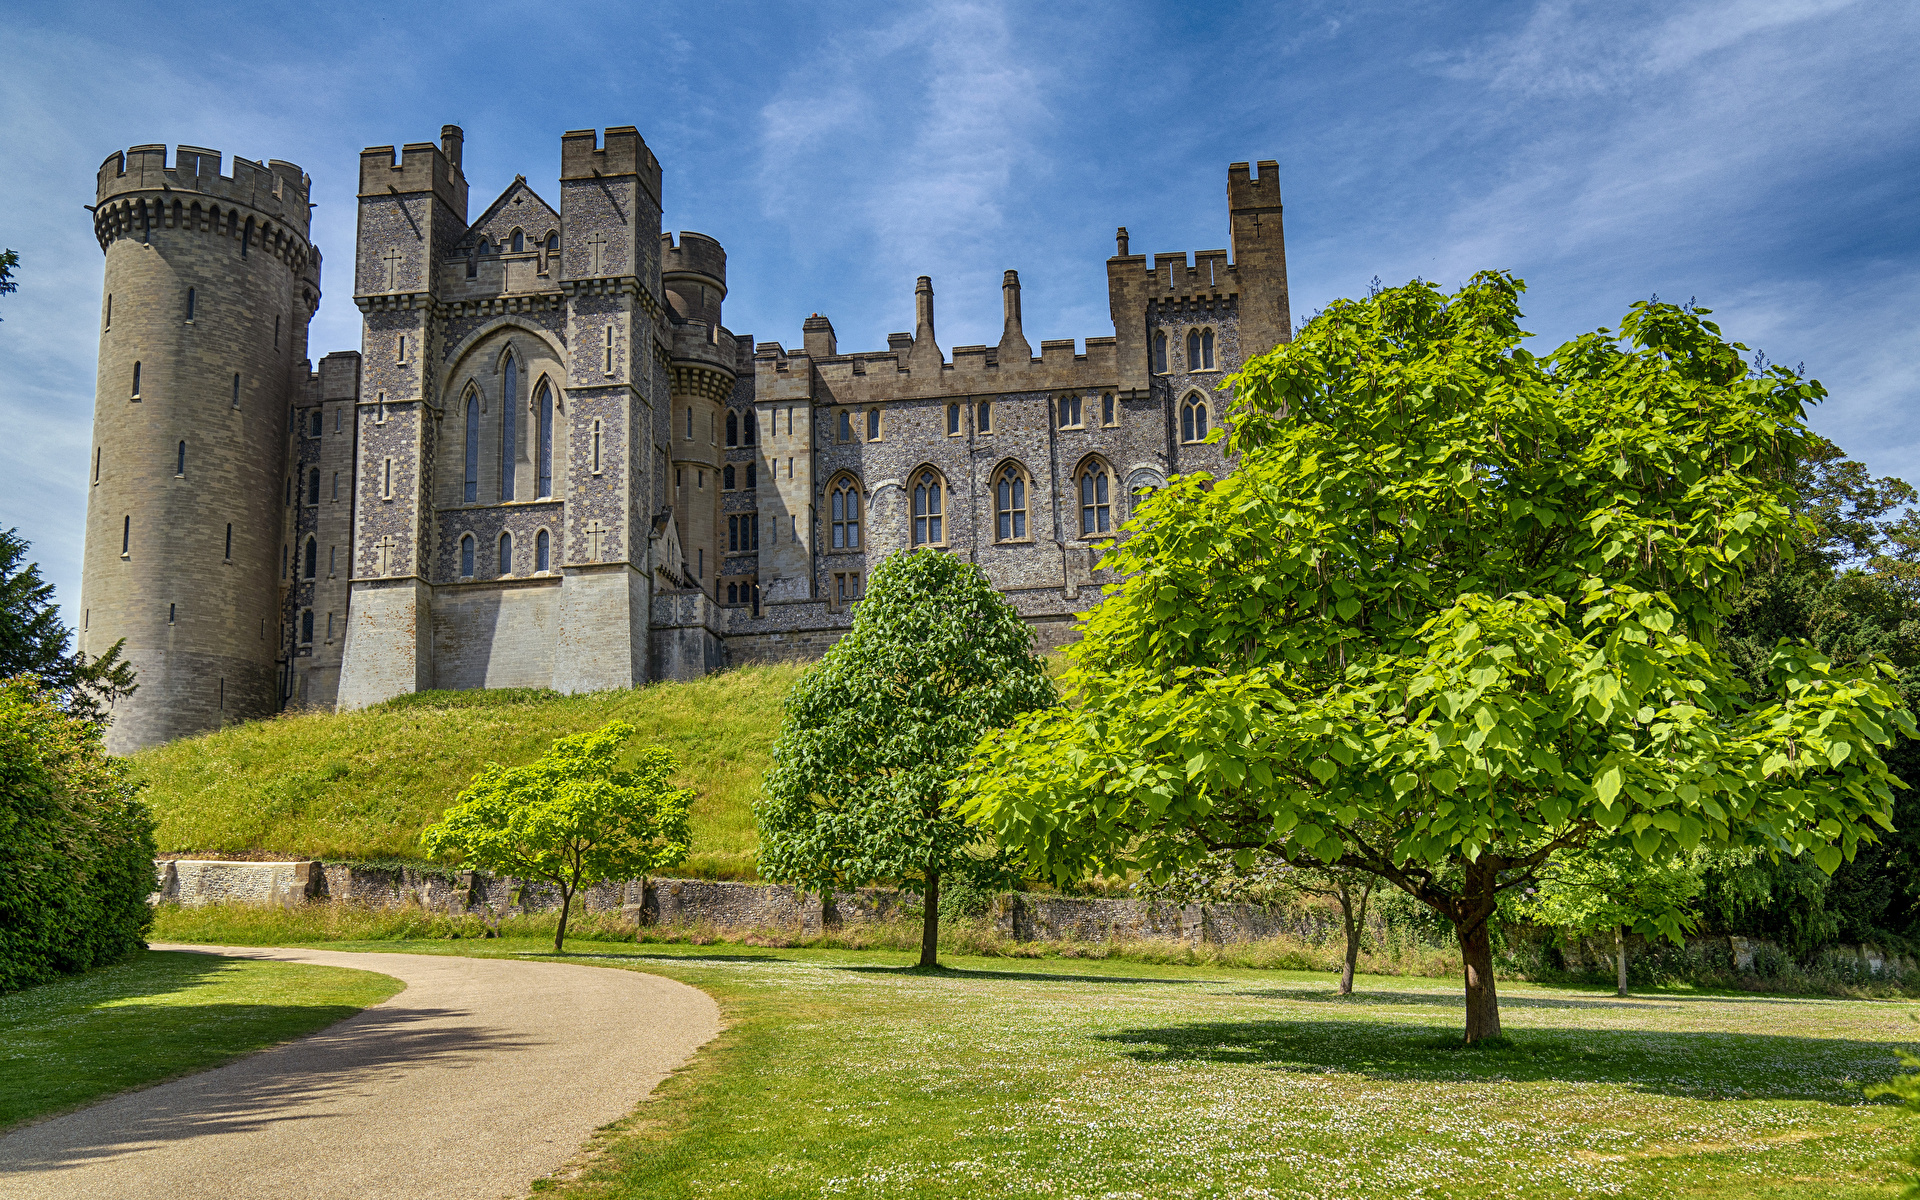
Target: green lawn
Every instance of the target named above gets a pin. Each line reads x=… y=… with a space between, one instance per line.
x=161 y=1014
x=845 y=1074
x=364 y=784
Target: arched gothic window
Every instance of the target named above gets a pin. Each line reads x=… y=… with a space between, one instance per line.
x=873 y=424
x=984 y=419
x=1160 y=353
x=1193 y=418
x=553 y=240
x=953 y=420
x=846 y=425
x=545 y=404
x=506 y=554
x=509 y=410
x=540 y=559
x=751 y=433
x=312 y=558
x=733 y=428
x=753 y=472
x=1010 y=504
x=1096 y=492
x=844 y=496
x=313 y=486
x=519 y=241
x=466 y=556
x=1069 y=410
x=1199 y=349
x=727 y=477
x=928 y=511
x=470 y=493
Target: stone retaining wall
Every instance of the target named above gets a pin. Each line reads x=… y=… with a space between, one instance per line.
x=725 y=907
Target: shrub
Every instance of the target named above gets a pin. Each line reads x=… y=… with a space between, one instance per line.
x=76 y=844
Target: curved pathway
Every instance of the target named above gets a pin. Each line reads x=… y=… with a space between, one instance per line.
x=479 y=1077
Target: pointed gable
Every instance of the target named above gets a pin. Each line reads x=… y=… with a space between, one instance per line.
x=519 y=207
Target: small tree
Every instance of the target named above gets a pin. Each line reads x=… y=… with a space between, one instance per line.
x=33 y=641
x=875 y=731
x=1589 y=891
x=1467 y=597
x=571 y=817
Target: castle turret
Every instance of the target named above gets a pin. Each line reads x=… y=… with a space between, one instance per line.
x=694 y=274
x=210 y=283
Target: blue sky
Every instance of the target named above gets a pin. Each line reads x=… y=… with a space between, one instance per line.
x=1763 y=156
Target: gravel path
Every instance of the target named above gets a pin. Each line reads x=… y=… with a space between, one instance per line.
x=479 y=1077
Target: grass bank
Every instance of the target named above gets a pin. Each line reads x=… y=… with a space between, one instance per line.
x=362 y=785
x=156 y=1016
x=853 y=1074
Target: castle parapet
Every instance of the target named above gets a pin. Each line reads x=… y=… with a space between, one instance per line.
x=625 y=153
x=419 y=167
x=276 y=189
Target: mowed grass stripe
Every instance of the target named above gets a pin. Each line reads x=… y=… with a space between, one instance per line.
x=159 y=1015
x=362 y=785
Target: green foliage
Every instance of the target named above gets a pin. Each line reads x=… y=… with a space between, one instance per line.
x=571 y=817
x=875 y=731
x=9 y=259
x=1905 y=1090
x=363 y=785
x=33 y=641
x=1471 y=596
x=76 y=844
x=1586 y=891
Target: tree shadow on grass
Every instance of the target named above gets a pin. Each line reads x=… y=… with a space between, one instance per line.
x=1692 y=1064
x=1553 y=999
x=1010 y=976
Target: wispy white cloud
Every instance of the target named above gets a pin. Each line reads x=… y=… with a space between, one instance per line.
x=903 y=144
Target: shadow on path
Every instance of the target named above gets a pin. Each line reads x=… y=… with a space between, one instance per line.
x=258 y=1092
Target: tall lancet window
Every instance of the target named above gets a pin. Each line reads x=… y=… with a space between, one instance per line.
x=509 y=410
x=546 y=440
x=472 y=493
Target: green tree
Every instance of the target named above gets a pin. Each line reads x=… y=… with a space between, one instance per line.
x=877 y=729
x=1905 y=1091
x=34 y=641
x=9 y=259
x=1469 y=596
x=572 y=817
x=76 y=844
x=1587 y=891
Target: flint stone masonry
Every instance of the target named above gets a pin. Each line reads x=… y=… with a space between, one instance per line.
x=613 y=445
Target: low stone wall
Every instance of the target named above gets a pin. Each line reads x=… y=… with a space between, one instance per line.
x=725 y=907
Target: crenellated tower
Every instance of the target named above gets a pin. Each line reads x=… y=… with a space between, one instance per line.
x=210 y=283
x=702 y=370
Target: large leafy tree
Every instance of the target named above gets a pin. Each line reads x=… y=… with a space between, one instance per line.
x=34 y=641
x=572 y=818
x=878 y=728
x=1464 y=596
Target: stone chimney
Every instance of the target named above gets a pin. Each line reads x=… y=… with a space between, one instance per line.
x=1014 y=350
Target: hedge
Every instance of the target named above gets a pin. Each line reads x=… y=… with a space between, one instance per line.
x=76 y=844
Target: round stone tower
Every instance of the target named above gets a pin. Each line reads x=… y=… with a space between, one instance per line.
x=694 y=274
x=210 y=283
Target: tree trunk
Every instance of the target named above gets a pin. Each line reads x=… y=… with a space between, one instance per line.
x=566 y=905
x=1620 y=955
x=930 y=923
x=1353 y=940
x=1483 y=1003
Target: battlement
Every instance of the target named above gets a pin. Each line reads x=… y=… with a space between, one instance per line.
x=582 y=156
x=276 y=188
x=1247 y=191
x=696 y=255
x=419 y=167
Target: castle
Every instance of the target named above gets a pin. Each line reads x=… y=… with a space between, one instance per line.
x=550 y=464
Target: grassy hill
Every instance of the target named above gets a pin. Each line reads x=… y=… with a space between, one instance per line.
x=363 y=785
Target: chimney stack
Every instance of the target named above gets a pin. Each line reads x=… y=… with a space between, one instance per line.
x=1014 y=350
x=451 y=139
x=926 y=351
x=1120 y=240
